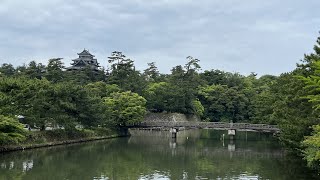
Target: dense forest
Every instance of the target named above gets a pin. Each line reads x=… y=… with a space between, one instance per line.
x=121 y=95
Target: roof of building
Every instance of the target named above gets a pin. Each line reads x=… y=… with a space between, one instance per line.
x=85 y=53
x=84 y=59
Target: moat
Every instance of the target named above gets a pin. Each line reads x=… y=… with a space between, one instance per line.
x=195 y=154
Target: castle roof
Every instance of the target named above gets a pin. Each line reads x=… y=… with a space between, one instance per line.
x=85 y=59
x=85 y=53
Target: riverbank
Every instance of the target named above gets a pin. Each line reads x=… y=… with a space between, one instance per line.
x=61 y=137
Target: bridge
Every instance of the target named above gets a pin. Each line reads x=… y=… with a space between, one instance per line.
x=180 y=125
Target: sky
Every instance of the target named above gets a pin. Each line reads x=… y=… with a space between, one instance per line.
x=261 y=36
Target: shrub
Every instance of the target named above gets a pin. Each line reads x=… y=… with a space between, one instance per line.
x=11 y=131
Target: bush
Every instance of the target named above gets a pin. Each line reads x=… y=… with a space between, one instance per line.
x=104 y=131
x=11 y=131
x=60 y=134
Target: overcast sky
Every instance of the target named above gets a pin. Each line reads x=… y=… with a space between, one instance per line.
x=262 y=36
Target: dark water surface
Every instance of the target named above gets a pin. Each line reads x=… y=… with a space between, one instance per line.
x=196 y=154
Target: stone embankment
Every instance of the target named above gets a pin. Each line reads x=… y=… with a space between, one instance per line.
x=167 y=118
x=172 y=117
x=49 y=144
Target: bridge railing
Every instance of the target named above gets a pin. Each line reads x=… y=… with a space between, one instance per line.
x=222 y=125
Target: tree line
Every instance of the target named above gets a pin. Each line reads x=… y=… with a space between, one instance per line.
x=122 y=95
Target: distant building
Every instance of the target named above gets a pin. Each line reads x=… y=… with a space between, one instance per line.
x=84 y=60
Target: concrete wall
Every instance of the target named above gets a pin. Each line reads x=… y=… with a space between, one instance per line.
x=170 y=117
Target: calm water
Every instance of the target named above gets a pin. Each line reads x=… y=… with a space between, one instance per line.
x=197 y=154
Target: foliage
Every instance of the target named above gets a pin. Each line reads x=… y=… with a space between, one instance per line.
x=44 y=103
x=123 y=73
x=313 y=85
x=11 y=131
x=7 y=70
x=34 y=70
x=223 y=78
x=292 y=112
x=262 y=99
x=312 y=151
x=296 y=94
x=84 y=76
x=151 y=73
x=183 y=86
x=156 y=95
x=125 y=108
x=222 y=103
x=55 y=70
x=101 y=89
x=198 y=109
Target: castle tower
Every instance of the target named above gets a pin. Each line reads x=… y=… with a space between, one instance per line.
x=85 y=59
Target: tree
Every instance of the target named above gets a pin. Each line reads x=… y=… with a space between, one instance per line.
x=11 y=131
x=21 y=70
x=12 y=95
x=223 y=104
x=312 y=85
x=101 y=89
x=123 y=73
x=152 y=72
x=85 y=76
x=312 y=151
x=192 y=65
x=42 y=102
x=54 y=71
x=292 y=112
x=35 y=70
x=183 y=84
x=305 y=67
x=75 y=102
x=31 y=98
x=117 y=58
x=215 y=77
x=262 y=99
x=297 y=100
x=7 y=69
x=198 y=109
x=157 y=96
x=124 y=108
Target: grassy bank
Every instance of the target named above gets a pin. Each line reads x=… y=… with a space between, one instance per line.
x=39 y=139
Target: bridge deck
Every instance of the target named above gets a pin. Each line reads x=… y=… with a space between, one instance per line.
x=209 y=125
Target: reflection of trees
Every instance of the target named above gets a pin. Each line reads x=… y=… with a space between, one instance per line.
x=150 y=155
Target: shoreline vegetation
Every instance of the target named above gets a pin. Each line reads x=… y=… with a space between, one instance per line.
x=88 y=96
x=43 y=139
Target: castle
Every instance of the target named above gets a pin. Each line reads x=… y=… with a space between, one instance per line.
x=84 y=60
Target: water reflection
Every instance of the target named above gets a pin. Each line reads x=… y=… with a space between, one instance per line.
x=155 y=155
x=27 y=165
x=156 y=175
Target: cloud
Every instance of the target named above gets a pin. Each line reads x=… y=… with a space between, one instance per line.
x=233 y=35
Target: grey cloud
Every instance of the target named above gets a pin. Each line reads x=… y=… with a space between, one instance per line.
x=234 y=35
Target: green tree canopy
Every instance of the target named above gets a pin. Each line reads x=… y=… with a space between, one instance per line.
x=312 y=151
x=55 y=70
x=7 y=69
x=125 y=108
x=123 y=73
x=11 y=131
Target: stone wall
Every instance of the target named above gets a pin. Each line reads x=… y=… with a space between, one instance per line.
x=170 y=117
